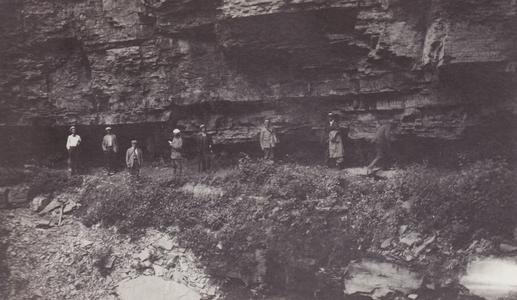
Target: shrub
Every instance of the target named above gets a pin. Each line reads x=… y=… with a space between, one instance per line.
x=480 y=196
x=48 y=181
x=305 y=219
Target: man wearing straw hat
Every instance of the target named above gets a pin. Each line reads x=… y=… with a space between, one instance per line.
x=176 y=147
x=72 y=145
x=110 y=149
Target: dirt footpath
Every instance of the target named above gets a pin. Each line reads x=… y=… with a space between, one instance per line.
x=75 y=262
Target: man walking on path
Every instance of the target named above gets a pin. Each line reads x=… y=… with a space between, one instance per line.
x=335 y=144
x=204 y=148
x=268 y=140
x=134 y=159
x=72 y=145
x=176 y=148
x=110 y=149
x=383 y=140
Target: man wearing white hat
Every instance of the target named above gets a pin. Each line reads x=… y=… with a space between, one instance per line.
x=110 y=149
x=72 y=145
x=176 y=146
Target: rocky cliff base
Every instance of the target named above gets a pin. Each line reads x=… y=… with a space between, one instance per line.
x=265 y=231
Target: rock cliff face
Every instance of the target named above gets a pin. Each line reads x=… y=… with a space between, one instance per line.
x=441 y=66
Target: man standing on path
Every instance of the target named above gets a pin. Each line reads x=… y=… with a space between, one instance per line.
x=335 y=144
x=110 y=149
x=204 y=148
x=383 y=140
x=268 y=140
x=134 y=159
x=176 y=147
x=72 y=145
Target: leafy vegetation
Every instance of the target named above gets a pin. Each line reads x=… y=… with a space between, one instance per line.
x=306 y=222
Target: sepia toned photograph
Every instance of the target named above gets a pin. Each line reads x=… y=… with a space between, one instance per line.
x=258 y=150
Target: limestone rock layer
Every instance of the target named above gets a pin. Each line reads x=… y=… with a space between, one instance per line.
x=440 y=66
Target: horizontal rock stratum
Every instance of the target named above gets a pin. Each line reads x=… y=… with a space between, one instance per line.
x=439 y=65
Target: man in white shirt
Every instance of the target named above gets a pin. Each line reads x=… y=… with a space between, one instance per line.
x=268 y=140
x=110 y=149
x=134 y=158
x=72 y=145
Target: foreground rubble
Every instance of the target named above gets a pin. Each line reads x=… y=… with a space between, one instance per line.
x=76 y=262
x=283 y=232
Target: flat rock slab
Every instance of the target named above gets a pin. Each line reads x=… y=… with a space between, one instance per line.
x=378 y=278
x=154 y=288
x=492 y=278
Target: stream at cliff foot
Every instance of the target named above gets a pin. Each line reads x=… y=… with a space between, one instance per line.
x=492 y=278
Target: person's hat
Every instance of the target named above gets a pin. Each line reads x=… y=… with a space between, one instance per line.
x=108 y=128
x=202 y=126
x=333 y=116
x=134 y=141
x=176 y=131
x=72 y=127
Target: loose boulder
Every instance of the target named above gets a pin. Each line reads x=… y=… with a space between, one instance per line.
x=378 y=278
x=16 y=195
x=154 y=288
x=39 y=202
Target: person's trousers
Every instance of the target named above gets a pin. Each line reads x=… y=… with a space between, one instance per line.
x=109 y=157
x=73 y=159
x=336 y=162
x=269 y=153
x=204 y=162
x=134 y=170
x=177 y=164
x=381 y=158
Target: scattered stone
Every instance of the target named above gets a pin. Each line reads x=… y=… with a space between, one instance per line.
x=148 y=272
x=408 y=257
x=44 y=224
x=410 y=239
x=69 y=206
x=412 y=296
x=507 y=248
x=386 y=243
x=86 y=243
x=424 y=245
x=177 y=276
x=18 y=194
x=110 y=261
x=154 y=288
x=50 y=207
x=379 y=278
x=402 y=229
x=159 y=270
x=164 y=243
x=39 y=202
x=145 y=254
x=211 y=291
x=146 y=264
x=202 y=190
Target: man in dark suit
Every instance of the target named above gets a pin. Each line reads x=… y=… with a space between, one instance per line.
x=204 y=149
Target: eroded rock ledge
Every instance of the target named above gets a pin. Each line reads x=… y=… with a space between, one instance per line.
x=442 y=66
